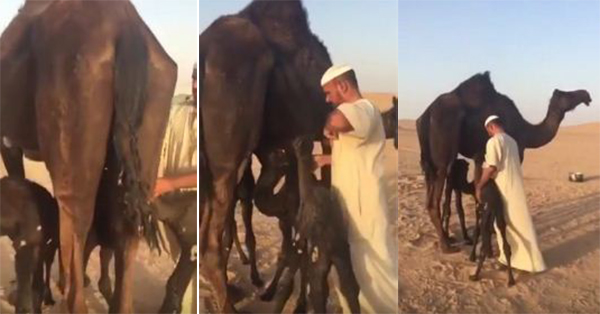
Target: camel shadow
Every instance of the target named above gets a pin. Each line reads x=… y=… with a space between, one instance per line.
x=559 y=221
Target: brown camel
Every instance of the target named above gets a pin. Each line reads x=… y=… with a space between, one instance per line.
x=78 y=77
x=453 y=124
x=259 y=89
x=390 y=122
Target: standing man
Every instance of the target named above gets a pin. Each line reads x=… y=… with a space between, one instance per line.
x=177 y=171
x=503 y=163
x=358 y=138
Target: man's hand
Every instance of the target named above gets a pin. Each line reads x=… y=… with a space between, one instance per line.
x=162 y=185
x=330 y=134
x=322 y=160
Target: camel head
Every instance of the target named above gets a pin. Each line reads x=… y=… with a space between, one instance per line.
x=476 y=91
x=301 y=59
x=303 y=146
x=567 y=101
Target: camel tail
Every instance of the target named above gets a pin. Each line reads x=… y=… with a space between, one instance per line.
x=423 y=134
x=130 y=79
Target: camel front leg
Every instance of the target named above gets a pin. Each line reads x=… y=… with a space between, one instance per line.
x=213 y=263
x=434 y=212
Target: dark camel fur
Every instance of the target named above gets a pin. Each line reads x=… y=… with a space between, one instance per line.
x=490 y=210
x=77 y=77
x=457 y=183
x=29 y=217
x=270 y=48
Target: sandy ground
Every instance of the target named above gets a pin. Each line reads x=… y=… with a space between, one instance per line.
x=268 y=237
x=566 y=216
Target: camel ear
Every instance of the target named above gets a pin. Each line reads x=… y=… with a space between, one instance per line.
x=395 y=101
x=556 y=92
x=486 y=74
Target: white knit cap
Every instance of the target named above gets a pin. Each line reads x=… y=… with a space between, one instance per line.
x=490 y=119
x=333 y=72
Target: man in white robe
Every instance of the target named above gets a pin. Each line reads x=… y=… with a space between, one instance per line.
x=177 y=171
x=358 y=138
x=502 y=162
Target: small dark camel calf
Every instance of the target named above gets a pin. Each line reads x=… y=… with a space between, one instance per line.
x=320 y=238
x=29 y=217
x=489 y=210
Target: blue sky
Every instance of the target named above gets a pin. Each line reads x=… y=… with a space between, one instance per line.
x=530 y=47
x=363 y=33
x=172 y=22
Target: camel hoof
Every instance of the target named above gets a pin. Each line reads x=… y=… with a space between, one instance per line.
x=468 y=241
x=511 y=282
x=447 y=249
x=236 y=294
x=268 y=295
x=474 y=278
x=452 y=240
x=257 y=282
x=300 y=308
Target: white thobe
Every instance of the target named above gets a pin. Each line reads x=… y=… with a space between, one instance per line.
x=503 y=153
x=178 y=157
x=357 y=175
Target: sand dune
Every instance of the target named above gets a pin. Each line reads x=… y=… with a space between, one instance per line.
x=566 y=216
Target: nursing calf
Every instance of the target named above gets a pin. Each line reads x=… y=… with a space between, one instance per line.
x=29 y=217
x=489 y=210
x=320 y=239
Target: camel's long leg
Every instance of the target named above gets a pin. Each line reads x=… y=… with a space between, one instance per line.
x=122 y=301
x=486 y=233
x=501 y=223
x=213 y=262
x=177 y=283
x=104 y=284
x=476 y=232
x=446 y=208
x=434 y=211
x=285 y=256
x=13 y=160
x=461 y=215
x=251 y=241
x=348 y=283
x=26 y=259
x=319 y=289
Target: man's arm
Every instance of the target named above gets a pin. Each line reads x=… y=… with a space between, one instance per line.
x=486 y=174
x=336 y=123
x=168 y=184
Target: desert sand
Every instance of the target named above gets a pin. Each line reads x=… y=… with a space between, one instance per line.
x=565 y=214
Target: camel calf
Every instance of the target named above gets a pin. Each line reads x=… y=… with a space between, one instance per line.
x=489 y=210
x=29 y=217
x=320 y=239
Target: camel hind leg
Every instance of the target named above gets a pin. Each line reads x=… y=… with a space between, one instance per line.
x=501 y=224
